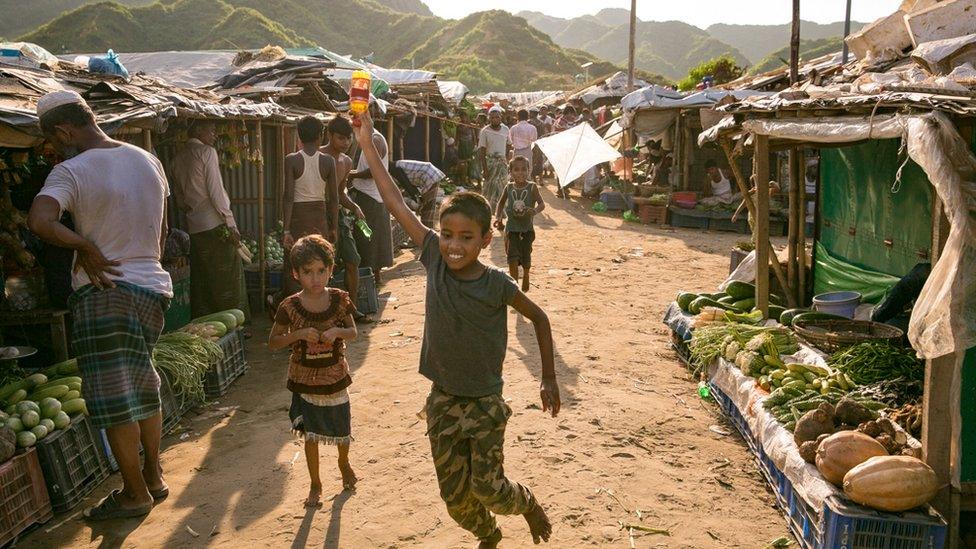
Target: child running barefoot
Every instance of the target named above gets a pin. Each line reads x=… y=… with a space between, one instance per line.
x=520 y=202
x=316 y=322
x=465 y=337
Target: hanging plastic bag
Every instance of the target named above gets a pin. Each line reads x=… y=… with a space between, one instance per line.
x=108 y=64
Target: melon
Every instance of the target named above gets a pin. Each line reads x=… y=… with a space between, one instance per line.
x=841 y=452
x=50 y=407
x=31 y=419
x=39 y=431
x=891 y=483
x=61 y=421
x=26 y=439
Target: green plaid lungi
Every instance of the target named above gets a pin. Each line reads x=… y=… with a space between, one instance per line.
x=113 y=333
x=495 y=179
x=467 y=440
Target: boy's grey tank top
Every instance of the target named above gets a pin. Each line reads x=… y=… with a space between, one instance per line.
x=526 y=196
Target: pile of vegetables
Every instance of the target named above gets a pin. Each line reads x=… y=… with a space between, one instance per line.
x=185 y=358
x=41 y=403
x=216 y=325
x=739 y=297
x=728 y=338
x=874 y=361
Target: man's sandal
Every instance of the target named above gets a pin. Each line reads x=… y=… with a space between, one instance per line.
x=159 y=495
x=110 y=508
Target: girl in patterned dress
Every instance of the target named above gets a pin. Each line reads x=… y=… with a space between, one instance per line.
x=316 y=322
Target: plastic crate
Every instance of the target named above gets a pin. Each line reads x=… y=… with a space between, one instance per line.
x=173 y=406
x=400 y=237
x=740 y=225
x=178 y=314
x=226 y=371
x=614 y=200
x=368 y=300
x=74 y=463
x=839 y=525
x=653 y=215
x=23 y=496
x=681 y=218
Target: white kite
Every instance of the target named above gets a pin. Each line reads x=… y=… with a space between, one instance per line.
x=574 y=151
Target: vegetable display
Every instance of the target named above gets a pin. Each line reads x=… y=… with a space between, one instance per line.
x=874 y=361
x=186 y=357
x=42 y=403
x=891 y=483
x=216 y=325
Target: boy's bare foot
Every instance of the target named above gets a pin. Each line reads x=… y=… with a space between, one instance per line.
x=314 y=498
x=349 y=479
x=539 y=524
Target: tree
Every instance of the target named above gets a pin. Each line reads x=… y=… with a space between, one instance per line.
x=722 y=69
x=476 y=76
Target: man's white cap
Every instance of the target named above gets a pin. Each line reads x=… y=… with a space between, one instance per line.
x=56 y=99
x=497 y=109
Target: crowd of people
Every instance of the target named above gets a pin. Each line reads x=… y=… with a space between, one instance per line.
x=121 y=290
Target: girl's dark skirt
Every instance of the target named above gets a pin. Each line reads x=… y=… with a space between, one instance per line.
x=322 y=418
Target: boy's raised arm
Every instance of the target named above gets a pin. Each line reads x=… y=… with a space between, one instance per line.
x=384 y=183
x=548 y=388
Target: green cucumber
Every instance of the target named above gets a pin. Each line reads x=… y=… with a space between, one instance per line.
x=684 y=299
x=815 y=315
x=745 y=304
x=740 y=290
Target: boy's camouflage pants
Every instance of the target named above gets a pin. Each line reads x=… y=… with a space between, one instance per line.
x=467 y=436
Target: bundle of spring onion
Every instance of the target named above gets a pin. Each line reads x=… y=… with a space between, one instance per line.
x=186 y=358
x=711 y=342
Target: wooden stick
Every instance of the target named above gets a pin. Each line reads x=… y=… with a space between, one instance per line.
x=801 y=237
x=427 y=138
x=792 y=220
x=747 y=199
x=389 y=135
x=761 y=163
x=259 y=145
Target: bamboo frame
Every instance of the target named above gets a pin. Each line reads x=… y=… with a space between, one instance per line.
x=751 y=206
x=791 y=262
x=801 y=237
x=761 y=233
x=262 y=253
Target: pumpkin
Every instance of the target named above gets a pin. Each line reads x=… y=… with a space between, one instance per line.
x=891 y=483
x=841 y=452
x=8 y=443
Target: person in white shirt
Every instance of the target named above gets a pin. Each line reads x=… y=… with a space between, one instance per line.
x=719 y=184
x=376 y=252
x=523 y=135
x=216 y=270
x=116 y=194
x=493 y=147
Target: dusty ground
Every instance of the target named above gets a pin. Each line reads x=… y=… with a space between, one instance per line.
x=631 y=445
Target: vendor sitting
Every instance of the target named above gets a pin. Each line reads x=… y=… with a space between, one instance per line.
x=719 y=184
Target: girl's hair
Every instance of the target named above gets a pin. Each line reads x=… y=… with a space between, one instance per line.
x=308 y=249
x=519 y=158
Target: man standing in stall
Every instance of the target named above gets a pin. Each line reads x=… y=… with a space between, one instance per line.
x=216 y=271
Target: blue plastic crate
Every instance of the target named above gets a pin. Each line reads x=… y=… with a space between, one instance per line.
x=839 y=525
x=368 y=300
x=681 y=217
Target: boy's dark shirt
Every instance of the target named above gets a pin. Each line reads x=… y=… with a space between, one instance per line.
x=465 y=326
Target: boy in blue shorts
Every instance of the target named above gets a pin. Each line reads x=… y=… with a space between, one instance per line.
x=465 y=338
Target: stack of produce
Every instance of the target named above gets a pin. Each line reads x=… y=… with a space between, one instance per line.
x=41 y=403
x=185 y=358
x=720 y=339
x=217 y=325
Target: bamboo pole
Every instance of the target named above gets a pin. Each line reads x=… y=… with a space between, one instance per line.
x=389 y=135
x=761 y=163
x=631 y=45
x=427 y=137
x=147 y=140
x=259 y=145
x=795 y=44
x=792 y=265
x=280 y=184
x=751 y=206
x=801 y=237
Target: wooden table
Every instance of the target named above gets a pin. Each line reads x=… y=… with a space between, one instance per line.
x=53 y=317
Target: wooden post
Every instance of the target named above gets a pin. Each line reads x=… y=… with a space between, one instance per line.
x=751 y=206
x=389 y=135
x=761 y=163
x=792 y=264
x=688 y=145
x=147 y=140
x=427 y=133
x=682 y=181
x=801 y=237
x=280 y=185
x=795 y=44
x=262 y=253
x=631 y=45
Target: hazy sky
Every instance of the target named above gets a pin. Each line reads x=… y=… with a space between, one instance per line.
x=700 y=13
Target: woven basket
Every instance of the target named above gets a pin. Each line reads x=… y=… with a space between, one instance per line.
x=833 y=335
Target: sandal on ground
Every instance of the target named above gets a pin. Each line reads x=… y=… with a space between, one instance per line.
x=361 y=318
x=110 y=508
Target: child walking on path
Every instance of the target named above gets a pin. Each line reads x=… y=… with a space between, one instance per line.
x=465 y=338
x=520 y=203
x=316 y=322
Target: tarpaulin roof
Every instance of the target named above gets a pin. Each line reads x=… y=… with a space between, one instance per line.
x=574 y=151
x=453 y=91
x=614 y=86
x=189 y=69
x=654 y=97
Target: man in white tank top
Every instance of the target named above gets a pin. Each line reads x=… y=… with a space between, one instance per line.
x=719 y=184
x=311 y=203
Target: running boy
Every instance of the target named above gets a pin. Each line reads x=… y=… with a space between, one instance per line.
x=316 y=322
x=465 y=337
x=520 y=202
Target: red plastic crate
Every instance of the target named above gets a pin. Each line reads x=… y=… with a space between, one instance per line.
x=23 y=496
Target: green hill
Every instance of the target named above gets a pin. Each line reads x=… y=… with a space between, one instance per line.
x=495 y=50
x=759 y=41
x=20 y=16
x=183 y=25
x=809 y=49
x=669 y=48
x=407 y=6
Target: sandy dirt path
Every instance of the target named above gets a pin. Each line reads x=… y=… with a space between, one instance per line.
x=633 y=437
